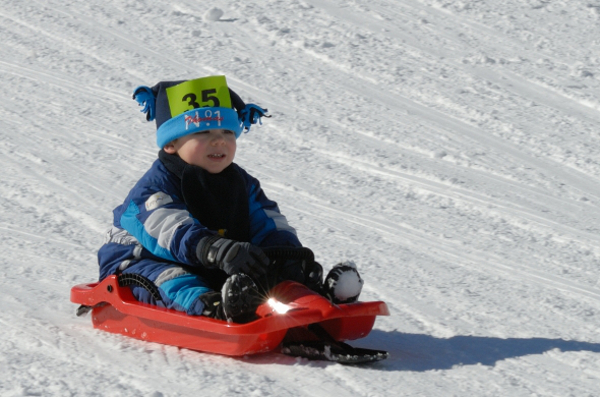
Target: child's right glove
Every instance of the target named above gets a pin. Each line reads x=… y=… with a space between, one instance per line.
x=232 y=256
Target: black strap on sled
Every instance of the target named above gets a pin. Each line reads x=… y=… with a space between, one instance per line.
x=128 y=279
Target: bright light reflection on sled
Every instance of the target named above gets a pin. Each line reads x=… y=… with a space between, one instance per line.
x=278 y=307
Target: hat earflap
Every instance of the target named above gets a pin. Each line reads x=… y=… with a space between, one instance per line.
x=251 y=114
x=248 y=113
x=146 y=98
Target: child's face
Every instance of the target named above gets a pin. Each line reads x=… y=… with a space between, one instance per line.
x=212 y=150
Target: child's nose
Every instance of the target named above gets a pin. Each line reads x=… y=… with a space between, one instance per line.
x=218 y=139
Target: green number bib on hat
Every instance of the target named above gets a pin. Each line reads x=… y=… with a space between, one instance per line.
x=203 y=92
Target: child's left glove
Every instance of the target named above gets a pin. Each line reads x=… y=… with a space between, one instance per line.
x=232 y=257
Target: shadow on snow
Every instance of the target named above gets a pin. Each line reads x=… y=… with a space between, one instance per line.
x=419 y=352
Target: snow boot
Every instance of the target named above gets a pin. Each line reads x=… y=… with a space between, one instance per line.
x=343 y=284
x=241 y=298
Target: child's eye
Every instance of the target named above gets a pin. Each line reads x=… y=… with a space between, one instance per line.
x=228 y=132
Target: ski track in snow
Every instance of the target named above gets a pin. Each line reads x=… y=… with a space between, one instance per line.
x=447 y=148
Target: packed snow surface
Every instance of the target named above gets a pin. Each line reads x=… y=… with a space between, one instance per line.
x=449 y=148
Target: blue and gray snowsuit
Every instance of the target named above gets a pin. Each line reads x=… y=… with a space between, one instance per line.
x=156 y=230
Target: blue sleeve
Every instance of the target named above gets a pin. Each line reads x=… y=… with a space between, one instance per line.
x=268 y=226
x=160 y=221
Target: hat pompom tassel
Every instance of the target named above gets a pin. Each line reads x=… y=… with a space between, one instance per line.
x=145 y=97
x=251 y=114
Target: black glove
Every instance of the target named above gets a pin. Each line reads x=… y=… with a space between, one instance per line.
x=314 y=276
x=232 y=256
x=213 y=305
x=309 y=273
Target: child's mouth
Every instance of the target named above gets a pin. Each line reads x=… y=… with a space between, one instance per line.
x=216 y=156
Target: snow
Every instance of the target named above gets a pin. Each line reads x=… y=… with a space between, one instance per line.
x=214 y=14
x=448 y=148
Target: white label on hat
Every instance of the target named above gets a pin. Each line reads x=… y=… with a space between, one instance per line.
x=208 y=118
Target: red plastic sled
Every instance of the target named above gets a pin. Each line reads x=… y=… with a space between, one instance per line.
x=291 y=309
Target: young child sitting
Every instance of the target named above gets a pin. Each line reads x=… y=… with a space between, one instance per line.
x=193 y=227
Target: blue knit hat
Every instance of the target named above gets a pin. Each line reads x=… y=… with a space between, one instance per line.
x=188 y=106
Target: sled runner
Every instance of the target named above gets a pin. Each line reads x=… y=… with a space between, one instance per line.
x=294 y=319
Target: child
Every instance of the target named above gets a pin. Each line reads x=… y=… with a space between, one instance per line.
x=193 y=227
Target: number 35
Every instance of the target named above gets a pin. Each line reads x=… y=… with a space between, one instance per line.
x=191 y=99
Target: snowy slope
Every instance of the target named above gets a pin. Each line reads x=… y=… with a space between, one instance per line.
x=449 y=148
